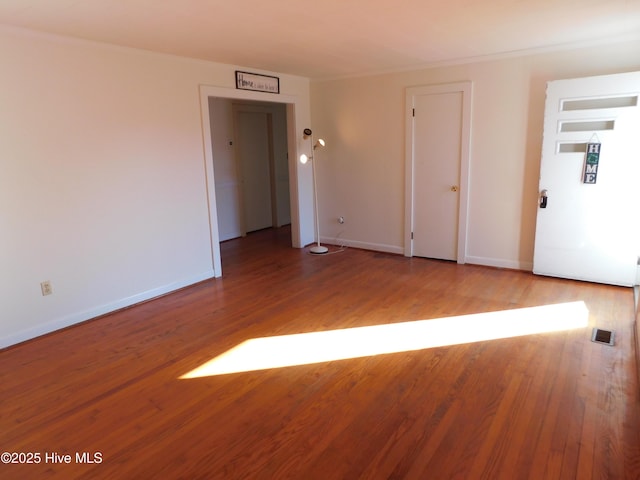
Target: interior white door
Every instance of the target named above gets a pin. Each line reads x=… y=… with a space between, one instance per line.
x=254 y=160
x=590 y=231
x=436 y=173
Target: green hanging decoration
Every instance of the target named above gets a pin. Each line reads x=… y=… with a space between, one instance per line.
x=591 y=163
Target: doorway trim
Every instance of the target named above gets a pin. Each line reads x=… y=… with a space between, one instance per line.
x=292 y=102
x=466 y=88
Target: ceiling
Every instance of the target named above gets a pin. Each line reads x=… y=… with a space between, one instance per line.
x=332 y=38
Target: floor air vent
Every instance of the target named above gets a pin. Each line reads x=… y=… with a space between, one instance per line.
x=602 y=336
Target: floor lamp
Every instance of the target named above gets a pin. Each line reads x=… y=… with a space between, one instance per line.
x=316 y=249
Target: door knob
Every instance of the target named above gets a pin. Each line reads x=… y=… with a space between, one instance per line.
x=454 y=188
x=543 y=199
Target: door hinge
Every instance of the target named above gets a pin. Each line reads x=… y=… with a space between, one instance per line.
x=414 y=112
x=411 y=235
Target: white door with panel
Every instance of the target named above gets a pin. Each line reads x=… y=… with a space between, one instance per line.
x=587 y=222
x=438 y=166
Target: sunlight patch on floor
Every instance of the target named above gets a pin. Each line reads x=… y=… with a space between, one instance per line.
x=315 y=347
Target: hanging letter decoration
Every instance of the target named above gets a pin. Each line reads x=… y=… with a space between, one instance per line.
x=591 y=163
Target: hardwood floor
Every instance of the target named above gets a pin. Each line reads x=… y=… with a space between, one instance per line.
x=541 y=406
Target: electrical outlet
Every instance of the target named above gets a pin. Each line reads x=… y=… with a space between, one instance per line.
x=340 y=219
x=46 y=288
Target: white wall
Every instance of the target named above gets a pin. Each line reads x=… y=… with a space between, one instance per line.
x=102 y=177
x=361 y=172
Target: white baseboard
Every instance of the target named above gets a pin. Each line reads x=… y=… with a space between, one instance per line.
x=500 y=263
x=378 y=247
x=74 y=318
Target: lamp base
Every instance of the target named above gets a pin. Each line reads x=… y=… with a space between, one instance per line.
x=318 y=249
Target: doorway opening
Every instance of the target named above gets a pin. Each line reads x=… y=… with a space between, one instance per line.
x=250 y=162
x=216 y=142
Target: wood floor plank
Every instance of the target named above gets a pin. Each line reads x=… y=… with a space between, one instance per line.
x=543 y=406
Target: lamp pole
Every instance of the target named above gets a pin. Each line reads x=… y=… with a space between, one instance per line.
x=317 y=249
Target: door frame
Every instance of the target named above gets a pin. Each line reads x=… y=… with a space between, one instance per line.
x=293 y=104
x=466 y=88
